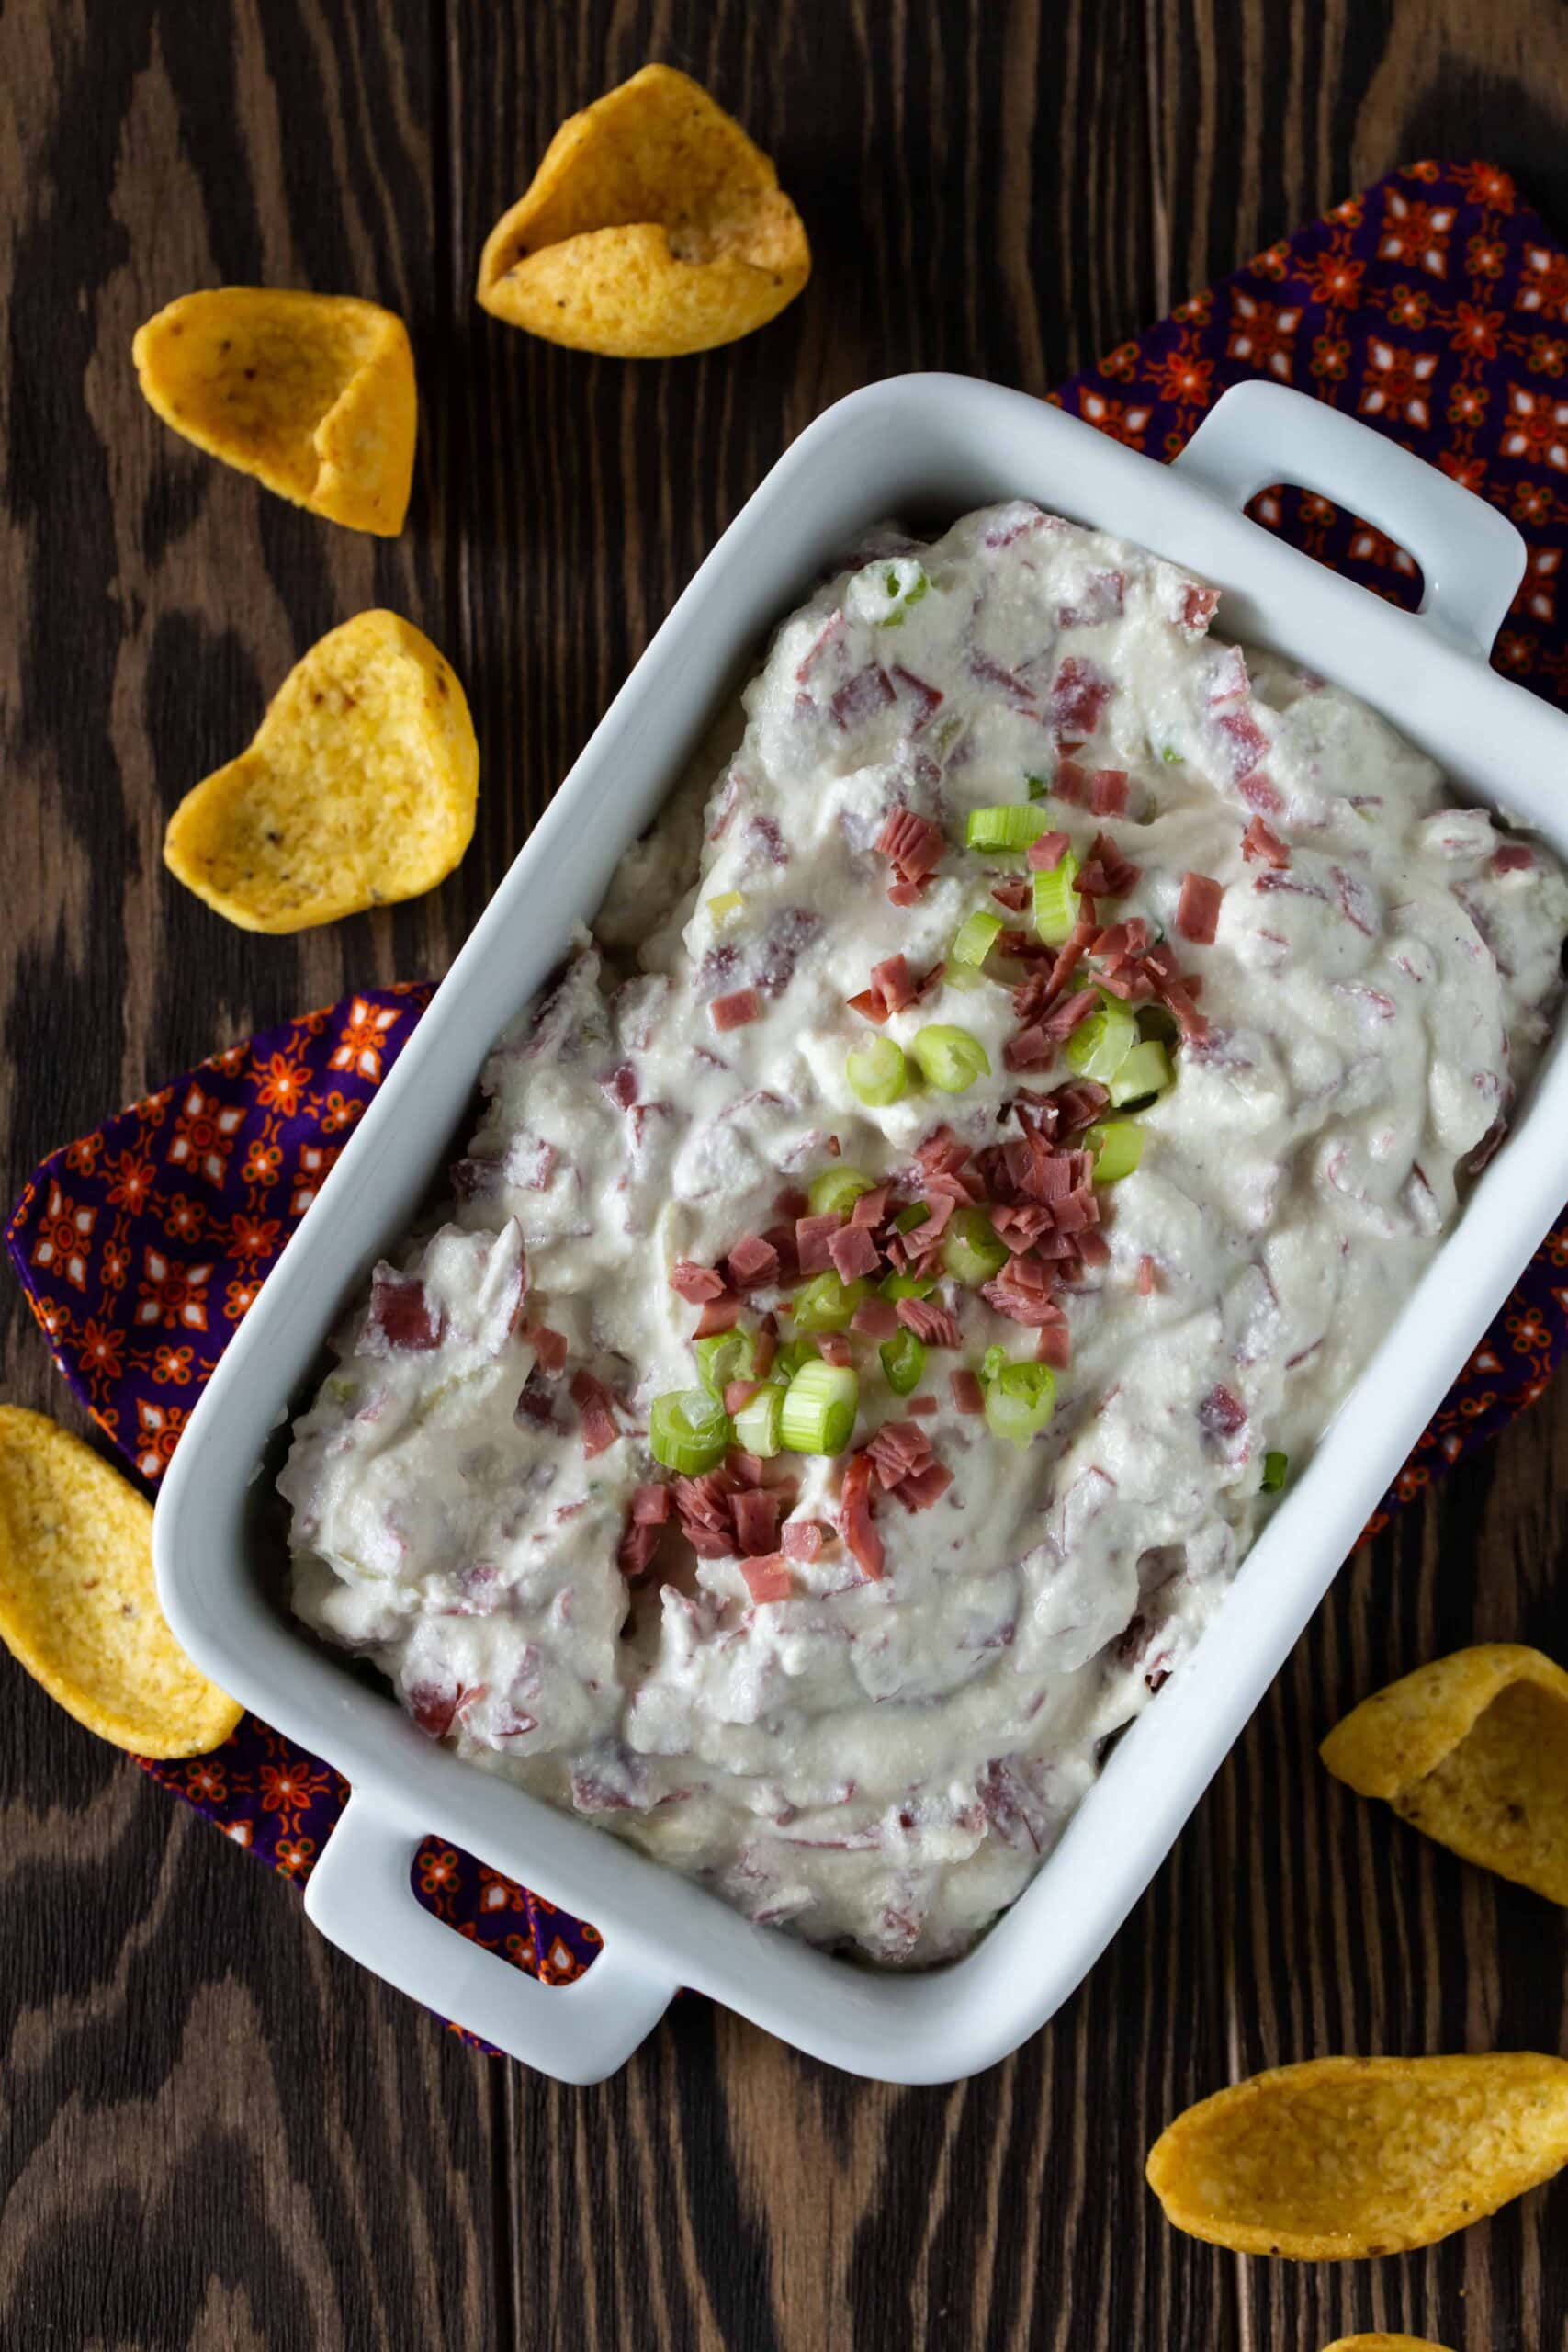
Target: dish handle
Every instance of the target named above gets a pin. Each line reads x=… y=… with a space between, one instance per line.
x=1471 y=555
x=360 y=1896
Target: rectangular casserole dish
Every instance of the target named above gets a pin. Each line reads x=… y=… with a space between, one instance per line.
x=923 y=447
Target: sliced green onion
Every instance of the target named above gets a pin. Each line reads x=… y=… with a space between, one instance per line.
x=1099 y=1046
x=897 y=1287
x=723 y=1356
x=1019 y=1401
x=826 y=1303
x=903 y=1361
x=894 y=587
x=949 y=1059
x=820 y=1408
x=790 y=1357
x=911 y=1219
x=877 y=1072
x=688 y=1430
x=1117 y=1146
x=975 y=938
x=991 y=1363
x=726 y=908
x=1145 y=1073
x=1171 y=756
x=759 y=1425
x=1038 y=787
x=1055 y=901
x=1276 y=1470
x=837 y=1188
x=971 y=1252
x=1013 y=825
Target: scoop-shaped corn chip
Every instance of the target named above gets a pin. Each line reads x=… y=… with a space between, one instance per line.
x=1379 y=2342
x=1342 y=2157
x=653 y=227
x=311 y=393
x=1473 y=1749
x=78 y=1607
x=358 y=789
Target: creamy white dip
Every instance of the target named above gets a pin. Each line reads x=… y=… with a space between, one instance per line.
x=882 y=1762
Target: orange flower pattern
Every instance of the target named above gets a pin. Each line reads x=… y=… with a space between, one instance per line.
x=1435 y=306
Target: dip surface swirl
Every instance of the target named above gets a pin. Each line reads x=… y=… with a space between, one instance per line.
x=873 y=1733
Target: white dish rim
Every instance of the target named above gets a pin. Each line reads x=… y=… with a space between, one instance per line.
x=1429 y=673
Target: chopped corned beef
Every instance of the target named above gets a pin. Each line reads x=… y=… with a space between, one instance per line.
x=812 y=1236
x=719 y=1314
x=402 y=1315
x=549 y=1347
x=853 y=1252
x=593 y=1402
x=898 y=1448
x=1045 y=852
x=1260 y=842
x=937 y=1326
x=1052 y=1343
x=638 y=1543
x=755 y=1512
x=1030 y=1048
x=928 y=699
x=859 y=696
x=1198 y=910
x=889 y=989
x=913 y=847
x=1078 y=696
x=734 y=1011
x=874 y=1318
x=923 y=1487
x=753 y=1263
x=1196 y=608
x=768 y=1579
x=854 y=1517
x=1107 y=874
x=697 y=1284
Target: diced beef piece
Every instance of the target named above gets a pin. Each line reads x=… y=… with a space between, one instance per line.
x=404 y=1319
x=1198 y=910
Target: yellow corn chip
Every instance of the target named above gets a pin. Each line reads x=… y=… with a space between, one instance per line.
x=653 y=227
x=1473 y=1749
x=1343 y=2158
x=78 y=1607
x=1379 y=2342
x=359 y=787
x=311 y=393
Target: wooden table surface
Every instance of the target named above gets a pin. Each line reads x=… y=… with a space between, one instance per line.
x=217 y=2132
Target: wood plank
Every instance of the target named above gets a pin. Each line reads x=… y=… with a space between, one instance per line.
x=217 y=2132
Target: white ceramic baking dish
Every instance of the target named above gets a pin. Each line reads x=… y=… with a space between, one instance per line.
x=928 y=448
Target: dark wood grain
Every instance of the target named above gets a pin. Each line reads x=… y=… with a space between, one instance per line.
x=218 y=2133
